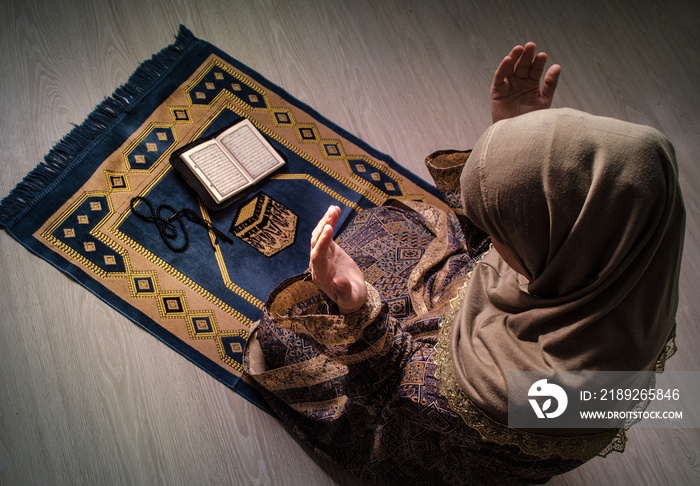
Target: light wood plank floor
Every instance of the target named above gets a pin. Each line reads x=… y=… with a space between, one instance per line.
x=86 y=397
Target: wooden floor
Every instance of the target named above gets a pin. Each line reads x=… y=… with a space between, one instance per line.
x=87 y=397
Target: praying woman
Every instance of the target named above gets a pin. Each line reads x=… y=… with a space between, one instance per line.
x=390 y=356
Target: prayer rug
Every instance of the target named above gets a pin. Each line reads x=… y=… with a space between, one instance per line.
x=74 y=209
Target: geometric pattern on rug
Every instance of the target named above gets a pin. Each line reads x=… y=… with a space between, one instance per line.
x=202 y=301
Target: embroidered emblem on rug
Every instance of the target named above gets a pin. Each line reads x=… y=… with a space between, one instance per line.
x=265 y=224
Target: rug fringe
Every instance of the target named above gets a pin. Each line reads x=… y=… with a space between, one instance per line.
x=71 y=149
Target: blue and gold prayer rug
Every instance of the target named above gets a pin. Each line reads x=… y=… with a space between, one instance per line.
x=74 y=209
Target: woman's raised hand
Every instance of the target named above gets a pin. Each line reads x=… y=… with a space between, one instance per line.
x=516 y=85
x=333 y=270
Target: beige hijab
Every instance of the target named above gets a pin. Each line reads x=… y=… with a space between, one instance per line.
x=592 y=210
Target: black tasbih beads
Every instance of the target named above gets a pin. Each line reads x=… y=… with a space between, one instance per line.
x=167 y=227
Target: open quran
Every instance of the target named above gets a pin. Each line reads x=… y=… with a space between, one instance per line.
x=228 y=162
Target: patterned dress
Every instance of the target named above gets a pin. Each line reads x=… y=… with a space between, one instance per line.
x=360 y=390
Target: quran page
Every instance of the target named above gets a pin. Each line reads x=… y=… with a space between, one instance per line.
x=220 y=174
x=251 y=150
